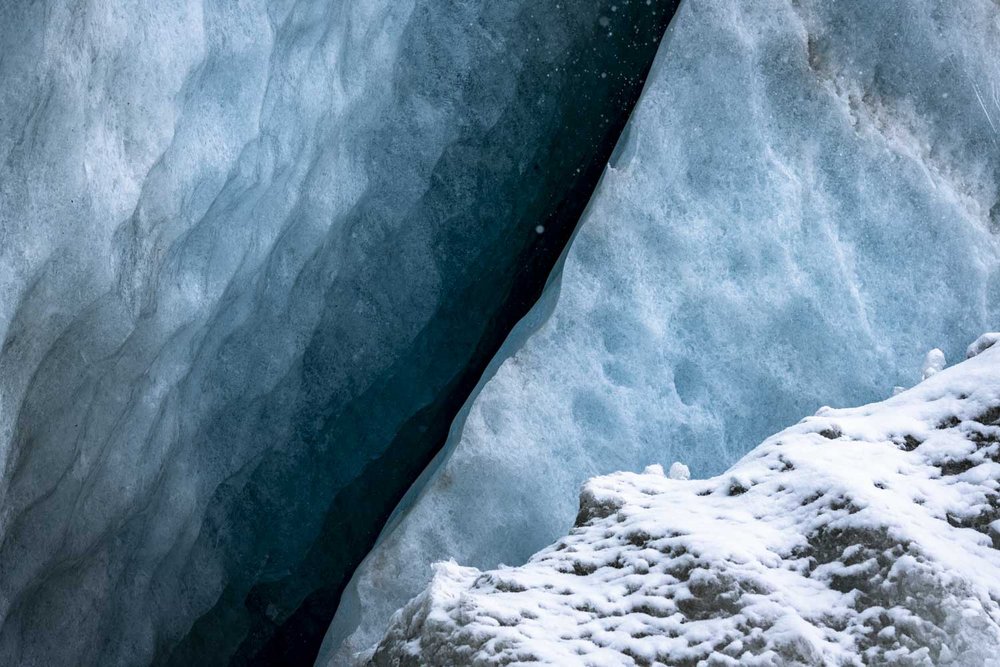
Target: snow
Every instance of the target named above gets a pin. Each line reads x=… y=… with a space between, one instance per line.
x=859 y=536
x=933 y=363
x=804 y=204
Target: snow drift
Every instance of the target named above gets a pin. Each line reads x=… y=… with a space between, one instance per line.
x=859 y=536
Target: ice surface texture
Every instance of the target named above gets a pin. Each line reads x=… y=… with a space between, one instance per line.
x=253 y=257
x=864 y=536
x=805 y=202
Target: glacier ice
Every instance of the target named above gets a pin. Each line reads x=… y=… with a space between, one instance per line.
x=241 y=297
x=863 y=536
x=804 y=202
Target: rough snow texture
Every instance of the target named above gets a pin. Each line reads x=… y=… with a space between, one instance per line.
x=984 y=342
x=805 y=203
x=864 y=536
x=241 y=247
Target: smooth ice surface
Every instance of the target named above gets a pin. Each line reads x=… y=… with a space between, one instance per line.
x=860 y=536
x=242 y=250
x=805 y=202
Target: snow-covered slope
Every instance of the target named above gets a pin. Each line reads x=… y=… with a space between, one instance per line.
x=805 y=203
x=858 y=536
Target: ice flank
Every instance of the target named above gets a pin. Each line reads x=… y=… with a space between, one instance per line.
x=934 y=362
x=859 y=536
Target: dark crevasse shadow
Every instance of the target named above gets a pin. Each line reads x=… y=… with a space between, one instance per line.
x=505 y=230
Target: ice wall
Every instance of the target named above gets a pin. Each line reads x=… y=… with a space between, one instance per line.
x=804 y=203
x=242 y=259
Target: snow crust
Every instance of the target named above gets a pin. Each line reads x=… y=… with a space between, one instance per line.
x=859 y=536
x=805 y=202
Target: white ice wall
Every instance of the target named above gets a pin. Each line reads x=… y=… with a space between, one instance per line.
x=241 y=249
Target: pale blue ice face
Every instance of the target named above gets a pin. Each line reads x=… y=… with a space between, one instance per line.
x=806 y=202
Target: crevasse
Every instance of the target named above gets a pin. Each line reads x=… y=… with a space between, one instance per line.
x=242 y=249
x=805 y=201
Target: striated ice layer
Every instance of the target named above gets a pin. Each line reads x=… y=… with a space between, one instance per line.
x=253 y=258
x=806 y=201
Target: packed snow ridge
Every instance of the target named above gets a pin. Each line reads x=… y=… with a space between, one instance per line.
x=858 y=536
